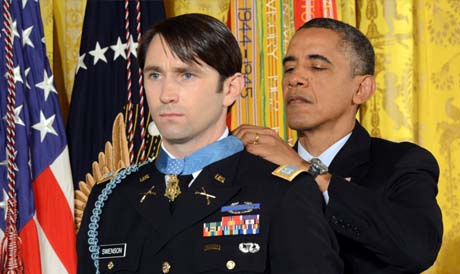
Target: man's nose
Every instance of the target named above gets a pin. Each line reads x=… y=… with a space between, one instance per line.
x=169 y=92
x=296 y=79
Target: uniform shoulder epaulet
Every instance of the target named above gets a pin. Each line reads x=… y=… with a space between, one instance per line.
x=288 y=172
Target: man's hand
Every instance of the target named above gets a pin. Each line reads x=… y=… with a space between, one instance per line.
x=266 y=143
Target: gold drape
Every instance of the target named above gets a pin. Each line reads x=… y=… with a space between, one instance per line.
x=417 y=46
x=418 y=58
x=62 y=22
x=217 y=9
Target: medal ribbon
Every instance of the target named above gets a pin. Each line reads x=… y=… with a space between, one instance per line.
x=200 y=158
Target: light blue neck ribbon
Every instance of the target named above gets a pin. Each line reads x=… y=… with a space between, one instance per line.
x=200 y=158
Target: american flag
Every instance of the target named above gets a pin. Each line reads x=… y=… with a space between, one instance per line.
x=111 y=31
x=35 y=178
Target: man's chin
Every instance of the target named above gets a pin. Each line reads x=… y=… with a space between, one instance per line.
x=298 y=125
x=174 y=139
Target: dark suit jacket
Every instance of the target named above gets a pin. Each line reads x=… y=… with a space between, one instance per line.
x=294 y=235
x=386 y=219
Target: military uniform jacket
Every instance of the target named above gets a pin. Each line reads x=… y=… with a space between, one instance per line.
x=383 y=205
x=293 y=235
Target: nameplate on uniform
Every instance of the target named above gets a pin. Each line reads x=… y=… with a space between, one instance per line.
x=287 y=172
x=233 y=225
x=110 y=251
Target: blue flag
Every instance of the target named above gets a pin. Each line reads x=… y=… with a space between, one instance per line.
x=100 y=89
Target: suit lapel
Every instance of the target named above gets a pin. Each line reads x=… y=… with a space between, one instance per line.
x=353 y=159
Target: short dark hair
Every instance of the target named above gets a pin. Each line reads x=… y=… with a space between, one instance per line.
x=197 y=36
x=362 y=59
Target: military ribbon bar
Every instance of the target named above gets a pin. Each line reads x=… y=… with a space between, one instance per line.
x=233 y=225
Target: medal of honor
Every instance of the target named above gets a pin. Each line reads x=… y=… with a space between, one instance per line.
x=172 y=188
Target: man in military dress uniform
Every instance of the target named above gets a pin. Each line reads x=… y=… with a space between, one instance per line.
x=231 y=215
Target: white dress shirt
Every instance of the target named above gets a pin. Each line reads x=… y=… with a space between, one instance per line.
x=326 y=157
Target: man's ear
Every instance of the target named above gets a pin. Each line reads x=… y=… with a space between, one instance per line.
x=232 y=88
x=365 y=89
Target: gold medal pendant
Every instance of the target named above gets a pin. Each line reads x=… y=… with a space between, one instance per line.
x=172 y=188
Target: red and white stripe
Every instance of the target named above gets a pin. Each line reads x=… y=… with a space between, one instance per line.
x=48 y=239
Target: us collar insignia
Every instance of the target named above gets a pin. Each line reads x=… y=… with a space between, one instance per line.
x=144 y=178
x=237 y=208
x=287 y=172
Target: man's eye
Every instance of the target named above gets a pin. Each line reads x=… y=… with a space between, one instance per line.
x=187 y=76
x=154 y=75
x=318 y=68
x=288 y=69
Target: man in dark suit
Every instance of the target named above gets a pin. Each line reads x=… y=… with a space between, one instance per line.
x=380 y=195
x=234 y=215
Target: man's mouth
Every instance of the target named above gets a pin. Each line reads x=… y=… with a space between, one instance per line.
x=170 y=115
x=296 y=99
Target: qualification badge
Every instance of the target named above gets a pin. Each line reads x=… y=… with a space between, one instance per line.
x=172 y=188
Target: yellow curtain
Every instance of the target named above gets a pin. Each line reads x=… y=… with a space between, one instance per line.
x=418 y=55
x=217 y=9
x=417 y=46
x=62 y=22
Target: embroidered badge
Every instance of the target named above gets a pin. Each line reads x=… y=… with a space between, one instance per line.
x=110 y=251
x=232 y=225
x=287 y=172
x=237 y=208
x=249 y=247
